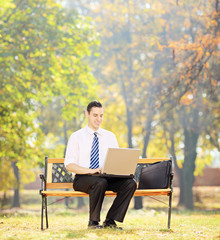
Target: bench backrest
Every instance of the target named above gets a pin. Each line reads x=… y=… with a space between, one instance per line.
x=58 y=178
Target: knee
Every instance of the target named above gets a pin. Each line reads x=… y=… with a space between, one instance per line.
x=132 y=184
x=100 y=184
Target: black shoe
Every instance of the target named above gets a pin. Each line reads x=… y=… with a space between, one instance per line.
x=94 y=225
x=110 y=223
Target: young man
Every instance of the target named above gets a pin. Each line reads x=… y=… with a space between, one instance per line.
x=85 y=155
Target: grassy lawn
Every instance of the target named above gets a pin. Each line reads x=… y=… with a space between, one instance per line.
x=147 y=223
x=141 y=224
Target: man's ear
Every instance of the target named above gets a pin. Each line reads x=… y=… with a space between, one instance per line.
x=86 y=113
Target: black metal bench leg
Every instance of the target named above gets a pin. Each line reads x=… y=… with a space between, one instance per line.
x=170 y=209
x=46 y=212
x=42 y=213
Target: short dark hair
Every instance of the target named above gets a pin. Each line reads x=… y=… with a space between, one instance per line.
x=93 y=104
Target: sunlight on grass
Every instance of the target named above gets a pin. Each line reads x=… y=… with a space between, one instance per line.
x=147 y=223
x=140 y=224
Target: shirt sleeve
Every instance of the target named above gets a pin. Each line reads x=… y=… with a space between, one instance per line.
x=114 y=141
x=72 y=150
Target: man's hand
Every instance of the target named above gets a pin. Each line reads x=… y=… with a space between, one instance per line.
x=97 y=170
x=72 y=167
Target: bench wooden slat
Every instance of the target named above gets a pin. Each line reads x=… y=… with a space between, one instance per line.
x=141 y=160
x=151 y=160
x=59 y=185
x=147 y=192
x=49 y=172
x=55 y=160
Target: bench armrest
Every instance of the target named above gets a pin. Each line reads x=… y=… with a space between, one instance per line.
x=43 y=183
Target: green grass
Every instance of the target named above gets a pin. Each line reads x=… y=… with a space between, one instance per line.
x=140 y=224
x=147 y=223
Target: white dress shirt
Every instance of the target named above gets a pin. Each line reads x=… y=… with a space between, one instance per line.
x=79 y=146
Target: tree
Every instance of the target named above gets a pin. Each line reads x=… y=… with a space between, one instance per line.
x=42 y=54
x=194 y=88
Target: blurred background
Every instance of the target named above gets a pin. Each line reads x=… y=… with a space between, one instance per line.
x=154 y=65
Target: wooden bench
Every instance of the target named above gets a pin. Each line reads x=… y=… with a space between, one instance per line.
x=56 y=180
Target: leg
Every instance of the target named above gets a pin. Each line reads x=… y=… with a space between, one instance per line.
x=95 y=187
x=125 y=188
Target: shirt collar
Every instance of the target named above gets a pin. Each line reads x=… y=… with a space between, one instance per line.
x=91 y=131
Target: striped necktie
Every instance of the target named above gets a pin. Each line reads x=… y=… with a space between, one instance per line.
x=94 y=159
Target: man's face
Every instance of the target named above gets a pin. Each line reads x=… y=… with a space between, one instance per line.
x=95 y=117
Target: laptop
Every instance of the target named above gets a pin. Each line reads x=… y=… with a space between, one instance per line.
x=120 y=162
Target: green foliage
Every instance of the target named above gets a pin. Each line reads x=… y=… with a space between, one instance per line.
x=42 y=55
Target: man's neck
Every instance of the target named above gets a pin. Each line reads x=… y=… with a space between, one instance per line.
x=93 y=128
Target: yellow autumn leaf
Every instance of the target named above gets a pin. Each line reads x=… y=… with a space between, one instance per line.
x=160 y=47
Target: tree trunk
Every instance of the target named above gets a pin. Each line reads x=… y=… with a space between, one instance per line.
x=179 y=171
x=138 y=203
x=147 y=133
x=190 y=154
x=16 y=198
x=81 y=202
x=4 y=200
x=181 y=186
x=129 y=127
x=191 y=135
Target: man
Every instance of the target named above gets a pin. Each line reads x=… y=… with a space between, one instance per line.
x=85 y=155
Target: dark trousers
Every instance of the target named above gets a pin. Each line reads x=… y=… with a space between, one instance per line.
x=96 y=187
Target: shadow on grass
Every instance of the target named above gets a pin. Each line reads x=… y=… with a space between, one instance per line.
x=195 y=212
x=76 y=234
x=98 y=232
x=166 y=230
